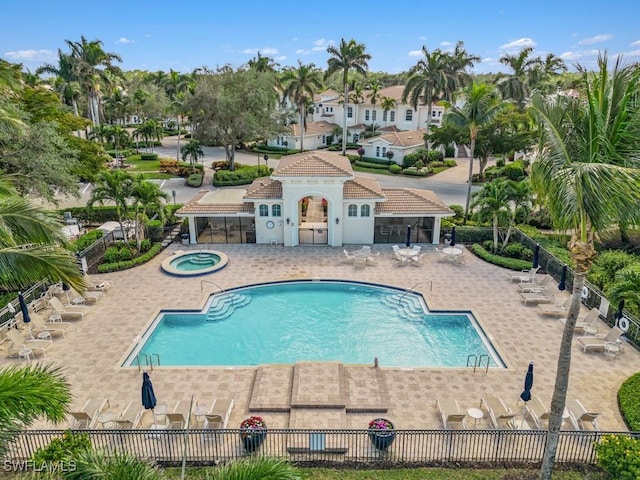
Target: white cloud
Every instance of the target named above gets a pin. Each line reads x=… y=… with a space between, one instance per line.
x=446 y=44
x=124 y=40
x=635 y=44
x=488 y=60
x=602 y=37
x=632 y=53
x=519 y=44
x=415 y=53
x=269 y=51
x=281 y=58
x=31 y=55
x=321 y=44
x=302 y=51
x=578 y=54
x=263 y=51
x=422 y=38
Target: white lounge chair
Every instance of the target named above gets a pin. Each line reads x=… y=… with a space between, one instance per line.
x=525 y=275
x=222 y=407
x=538 y=412
x=544 y=284
x=20 y=343
x=579 y=415
x=70 y=312
x=583 y=323
x=98 y=286
x=129 y=418
x=555 y=310
x=451 y=413
x=500 y=415
x=535 y=298
x=86 y=417
x=417 y=260
x=597 y=343
x=89 y=297
x=55 y=329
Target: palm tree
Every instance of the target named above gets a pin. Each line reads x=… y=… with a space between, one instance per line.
x=146 y=196
x=457 y=64
x=427 y=82
x=90 y=66
x=300 y=85
x=32 y=245
x=548 y=69
x=66 y=83
x=493 y=203
x=113 y=187
x=150 y=131
x=27 y=394
x=191 y=152
x=374 y=95
x=348 y=56
x=517 y=85
x=480 y=103
x=263 y=64
x=387 y=103
x=255 y=469
x=573 y=175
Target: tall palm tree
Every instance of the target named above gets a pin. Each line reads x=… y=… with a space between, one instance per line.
x=458 y=62
x=349 y=56
x=32 y=245
x=492 y=203
x=90 y=64
x=113 y=187
x=29 y=393
x=517 y=85
x=387 y=104
x=263 y=64
x=428 y=81
x=573 y=175
x=374 y=95
x=480 y=103
x=191 y=152
x=300 y=85
x=150 y=131
x=549 y=68
x=66 y=83
x=146 y=196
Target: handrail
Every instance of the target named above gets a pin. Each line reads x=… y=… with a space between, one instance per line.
x=485 y=356
x=157 y=355
x=406 y=292
x=475 y=361
x=146 y=360
x=202 y=282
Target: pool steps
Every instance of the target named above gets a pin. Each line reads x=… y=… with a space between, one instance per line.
x=409 y=306
x=224 y=305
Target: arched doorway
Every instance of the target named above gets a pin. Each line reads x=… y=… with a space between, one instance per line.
x=313 y=226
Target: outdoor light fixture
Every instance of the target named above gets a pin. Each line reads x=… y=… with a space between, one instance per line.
x=337 y=220
x=288 y=221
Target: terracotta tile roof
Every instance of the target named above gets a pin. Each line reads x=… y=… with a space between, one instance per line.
x=216 y=208
x=390 y=128
x=411 y=201
x=327 y=94
x=263 y=188
x=408 y=138
x=362 y=187
x=314 y=128
x=313 y=164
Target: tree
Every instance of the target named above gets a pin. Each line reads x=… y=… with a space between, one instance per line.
x=546 y=71
x=573 y=175
x=492 y=203
x=480 y=103
x=263 y=64
x=29 y=393
x=150 y=131
x=113 y=187
x=66 y=83
x=457 y=64
x=517 y=85
x=300 y=85
x=387 y=103
x=90 y=64
x=374 y=95
x=146 y=196
x=230 y=107
x=348 y=56
x=192 y=152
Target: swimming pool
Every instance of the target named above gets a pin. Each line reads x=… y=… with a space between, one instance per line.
x=315 y=321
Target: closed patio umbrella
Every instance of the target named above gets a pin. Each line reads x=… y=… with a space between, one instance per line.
x=408 y=242
x=23 y=307
x=528 y=384
x=453 y=237
x=563 y=279
x=536 y=256
x=148 y=396
x=619 y=313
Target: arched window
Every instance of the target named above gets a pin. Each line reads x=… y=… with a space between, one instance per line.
x=408 y=115
x=365 y=210
x=353 y=210
x=264 y=210
x=276 y=210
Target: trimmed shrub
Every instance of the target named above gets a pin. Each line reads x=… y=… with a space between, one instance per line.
x=145 y=245
x=449 y=151
x=450 y=163
x=63 y=449
x=124 y=152
x=155 y=230
x=415 y=173
x=517 y=250
x=395 y=168
x=364 y=164
x=148 y=156
x=195 y=180
x=220 y=165
x=241 y=176
x=619 y=456
x=435 y=156
x=515 y=171
x=629 y=402
x=124 y=265
x=180 y=169
x=87 y=239
x=419 y=165
x=511 y=263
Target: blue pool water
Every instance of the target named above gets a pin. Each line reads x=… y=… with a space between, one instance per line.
x=315 y=321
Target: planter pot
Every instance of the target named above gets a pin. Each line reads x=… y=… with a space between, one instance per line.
x=382 y=440
x=253 y=441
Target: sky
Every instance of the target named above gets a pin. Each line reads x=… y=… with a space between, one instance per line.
x=161 y=35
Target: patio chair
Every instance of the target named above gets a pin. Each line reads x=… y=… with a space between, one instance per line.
x=451 y=413
x=20 y=343
x=555 y=310
x=222 y=407
x=598 y=342
x=87 y=415
x=55 y=329
x=160 y=414
x=350 y=257
x=71 y=312
x=417 y=260
x=538 y=412
x=129 y=418
x=176 y=421
x=500 y=415
x=582 y=323
x=525 y=275
x=442 y=257
x=88 y=297
x=417 y=248
x=579 y=415
x=535 y=298
x=98 y=287
x=544 y=284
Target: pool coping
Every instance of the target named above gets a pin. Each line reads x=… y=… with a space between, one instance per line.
x=171 y=270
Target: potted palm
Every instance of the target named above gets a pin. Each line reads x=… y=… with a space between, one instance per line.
x=381 y=433
x=253 y=431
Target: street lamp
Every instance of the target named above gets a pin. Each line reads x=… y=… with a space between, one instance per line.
x=173 y=194
x=266 y=160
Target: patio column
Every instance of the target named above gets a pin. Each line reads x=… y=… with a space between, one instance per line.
x=436 y=231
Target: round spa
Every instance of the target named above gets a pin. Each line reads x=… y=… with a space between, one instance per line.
x=187 y=264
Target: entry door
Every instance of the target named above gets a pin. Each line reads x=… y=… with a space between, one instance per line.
x=313 y=235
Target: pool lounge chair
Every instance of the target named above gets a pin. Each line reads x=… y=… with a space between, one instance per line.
x=597 y=343
x=451 y=413
x=88 y=297
x=129 y=418
x=525 y=275
x=222 y=407
x=69 y=312
x=55 y=329
x=555 y=310
x=20 y=343
x=86 y=416
x=99 y=286
x=544 y=284
x=589 y=319
x=500 y=415
x=538 y=412
x=534 y=298
x=579 y=415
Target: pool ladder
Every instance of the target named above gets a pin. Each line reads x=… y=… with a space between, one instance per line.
x=411 y=290
x=476 y=361
x=148 y=360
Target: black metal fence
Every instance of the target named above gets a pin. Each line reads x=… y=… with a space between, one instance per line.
x=94 y=252
x=31 y=295
x=410 y=447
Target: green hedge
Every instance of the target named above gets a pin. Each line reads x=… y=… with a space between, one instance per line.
x=145 y=257
x=364 y=164
x=511 y=263
x=148 y=156
x=195 y=180
x=415 y=173
x=124 y=152
x=87 y=239
x=395 y=168
x=629 y=402
x=240 y=176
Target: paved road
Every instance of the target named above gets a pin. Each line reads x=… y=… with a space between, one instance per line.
x=450 y=186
